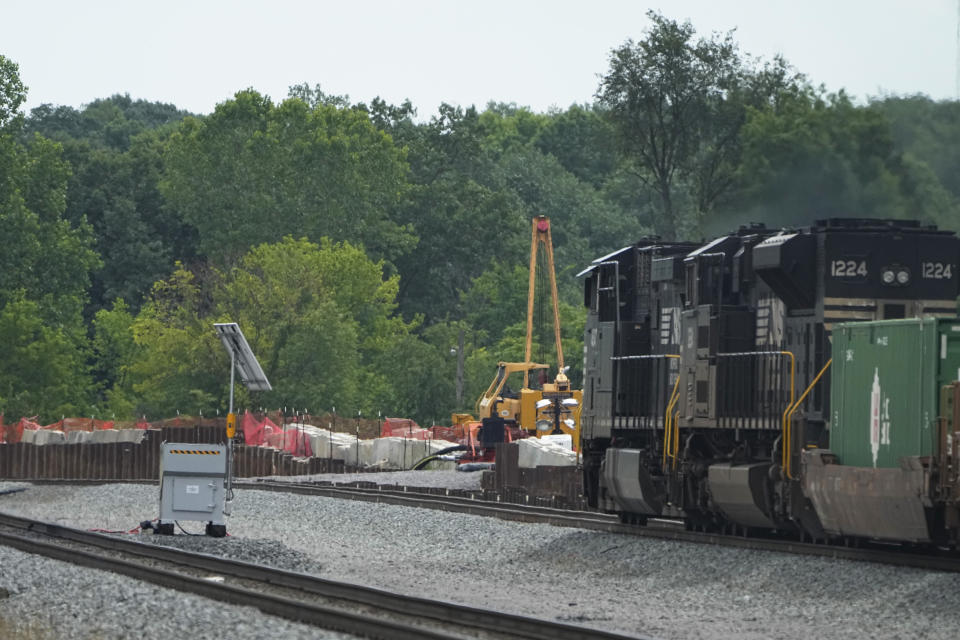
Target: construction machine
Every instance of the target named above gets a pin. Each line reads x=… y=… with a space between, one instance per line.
x=554 y=409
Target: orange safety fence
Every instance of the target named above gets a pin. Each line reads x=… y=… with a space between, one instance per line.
x=451 y=434
x=402 y=427
x=13 y=432
x=259 y=429
x=80 y=424
x=262 y=431
x=406 y=428
x=293 y=441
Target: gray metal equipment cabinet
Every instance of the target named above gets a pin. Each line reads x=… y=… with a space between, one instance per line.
x=192 y=478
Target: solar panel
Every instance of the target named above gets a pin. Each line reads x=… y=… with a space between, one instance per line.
x=249 y=369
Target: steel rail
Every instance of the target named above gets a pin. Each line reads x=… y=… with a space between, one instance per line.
x=461 y=617
x=325 y=617
x=662 y=529
x=414 y=496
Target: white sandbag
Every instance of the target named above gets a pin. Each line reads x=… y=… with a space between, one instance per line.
x=564 y=440
x=366 y=453
x=324 y=444
x=385 y=453
x=307 y=429
x=397 y=452
x=344 y=452
x=537 y=453
x=352 y=452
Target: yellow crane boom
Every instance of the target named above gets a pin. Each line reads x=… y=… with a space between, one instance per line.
x=554 y=409
x=541 y=235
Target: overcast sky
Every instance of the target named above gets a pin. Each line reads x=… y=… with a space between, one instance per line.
x=539 y=54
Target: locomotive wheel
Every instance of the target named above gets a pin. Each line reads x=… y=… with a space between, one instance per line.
x=632 y=518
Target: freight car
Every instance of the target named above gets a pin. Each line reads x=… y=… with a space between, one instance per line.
x=707 y=381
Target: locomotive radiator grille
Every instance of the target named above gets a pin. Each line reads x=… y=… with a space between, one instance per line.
x=754 y=388
x=643 y=384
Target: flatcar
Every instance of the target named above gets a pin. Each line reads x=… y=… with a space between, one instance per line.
x=799 y=380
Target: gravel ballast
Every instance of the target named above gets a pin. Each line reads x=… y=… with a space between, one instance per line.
x=621 y=583
x=51 y=599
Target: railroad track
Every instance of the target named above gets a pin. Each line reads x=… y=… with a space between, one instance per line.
x=338 y=606
x=419 y=497
x=662 y=529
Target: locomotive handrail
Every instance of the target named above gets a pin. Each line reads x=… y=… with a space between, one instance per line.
x=667 y=422
x=671 y=402
x=676 y=437
x=616 y=284
x=793 y=365
x=788 y=417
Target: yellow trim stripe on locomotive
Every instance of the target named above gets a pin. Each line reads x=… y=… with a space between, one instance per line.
x=191 y=451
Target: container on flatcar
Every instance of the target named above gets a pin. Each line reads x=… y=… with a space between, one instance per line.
x=885 y=388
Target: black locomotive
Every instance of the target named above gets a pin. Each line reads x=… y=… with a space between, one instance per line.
x=706 y=385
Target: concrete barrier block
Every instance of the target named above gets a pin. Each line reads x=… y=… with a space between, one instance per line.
x=134 y=436
x=48 y=436
x=78 y=437
x=102 y=436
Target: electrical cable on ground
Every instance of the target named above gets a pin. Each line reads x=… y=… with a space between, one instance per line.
x=177 y=522
x=146 y=524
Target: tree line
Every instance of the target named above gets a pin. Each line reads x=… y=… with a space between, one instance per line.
x=361 y=248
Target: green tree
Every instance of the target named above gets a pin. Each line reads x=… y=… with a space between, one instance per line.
x=584 y=224
x=114 y=351
x=252 y=172
x=106 y=123
x=317 y=316
x=822 y=156
x=927 y=132
x=44 y=271
x=176 y=367
x=138 y=235
x=507 y=126
x=320 y=318
x=13 y=93
x=463 y=219
x=678 y=104
x=583 y=142
x=42 y=371
x=114 y=150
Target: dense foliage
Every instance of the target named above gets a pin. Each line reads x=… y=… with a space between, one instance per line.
x=361 y=248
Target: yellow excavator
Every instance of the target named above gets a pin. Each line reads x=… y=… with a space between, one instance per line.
x=555 y=408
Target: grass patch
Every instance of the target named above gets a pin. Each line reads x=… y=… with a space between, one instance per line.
x=18 y=630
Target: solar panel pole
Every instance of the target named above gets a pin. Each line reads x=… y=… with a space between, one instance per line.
x=252 y=376
x=233 y=370
x=231 y=422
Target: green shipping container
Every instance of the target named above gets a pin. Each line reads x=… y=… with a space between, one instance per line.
x=885 y=387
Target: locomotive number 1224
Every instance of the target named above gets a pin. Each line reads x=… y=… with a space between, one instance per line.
x=848 y=268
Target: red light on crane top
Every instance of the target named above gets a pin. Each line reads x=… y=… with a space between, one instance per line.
x=543 y=224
